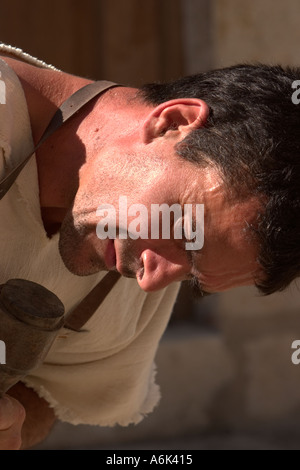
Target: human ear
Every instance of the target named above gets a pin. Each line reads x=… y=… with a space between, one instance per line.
x=179 y=116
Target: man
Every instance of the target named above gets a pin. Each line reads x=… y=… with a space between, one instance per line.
x=227 y=139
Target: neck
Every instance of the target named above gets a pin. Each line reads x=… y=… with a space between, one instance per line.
x=52 y=218
x=61 y=155
x=59 y=160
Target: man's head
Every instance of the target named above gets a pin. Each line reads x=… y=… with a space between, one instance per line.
x=252 y=137
x=226 y=139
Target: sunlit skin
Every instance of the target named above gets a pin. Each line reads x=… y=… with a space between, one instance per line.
x=118 y=145
x=148 y=171
x=228 y=258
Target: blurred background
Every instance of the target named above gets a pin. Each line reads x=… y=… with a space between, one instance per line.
x=224 y=364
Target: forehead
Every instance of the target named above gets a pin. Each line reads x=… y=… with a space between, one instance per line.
x=227 y=213
x=230 y=252
x=224 y=206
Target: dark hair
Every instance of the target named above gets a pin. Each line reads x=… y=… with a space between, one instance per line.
x=252 y=137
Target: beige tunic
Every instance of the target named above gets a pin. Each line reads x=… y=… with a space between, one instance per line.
x=105 y=375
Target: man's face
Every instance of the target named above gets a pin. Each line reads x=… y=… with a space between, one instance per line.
x=228 y=257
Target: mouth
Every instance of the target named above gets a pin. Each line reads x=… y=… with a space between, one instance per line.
x=110 y=256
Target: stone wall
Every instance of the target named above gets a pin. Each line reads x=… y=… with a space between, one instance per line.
x=126 y=41
x=256 y=31
x=260 y=331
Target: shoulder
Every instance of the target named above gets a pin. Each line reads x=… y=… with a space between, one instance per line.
x=28 y=69
x=45 y=89
x=15 y=131
x=17 y=53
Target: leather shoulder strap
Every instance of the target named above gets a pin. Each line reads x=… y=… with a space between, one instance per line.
x=70 y=107
x=87 y=307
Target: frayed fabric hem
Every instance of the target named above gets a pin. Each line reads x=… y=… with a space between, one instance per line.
x=67 y=415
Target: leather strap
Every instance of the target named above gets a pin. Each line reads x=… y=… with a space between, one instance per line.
x=70 y=107
x=87 y=307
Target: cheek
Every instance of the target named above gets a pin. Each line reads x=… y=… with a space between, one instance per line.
x=221 y=264
x=225 y=283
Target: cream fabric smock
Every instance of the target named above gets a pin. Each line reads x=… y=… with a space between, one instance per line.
x=105 y=375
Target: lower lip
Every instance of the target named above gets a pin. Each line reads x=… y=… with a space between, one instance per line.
x=110 y=255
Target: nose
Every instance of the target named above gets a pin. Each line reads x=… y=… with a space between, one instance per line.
x=158 y=271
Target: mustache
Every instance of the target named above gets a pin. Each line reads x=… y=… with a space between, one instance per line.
x=128 y=260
